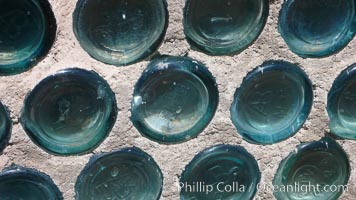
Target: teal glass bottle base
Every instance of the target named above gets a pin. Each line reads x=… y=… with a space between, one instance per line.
x=24 y=183
x=5 y=127
x=220 y=27
x=317 y=28
x=70 y=112
x=128 y=173
x=122 y=31
x=229 y=172
x=316 y=167
x=27 y=32
x=341 y=104
x=174 y=99
x=272 y=103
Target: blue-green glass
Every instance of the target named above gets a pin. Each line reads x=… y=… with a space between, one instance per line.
x=127 y=174
x=220 y=172
x=317 y=28
x=20 y=183
x=120 y=32
x=27 y=32
x=272 y=103
x=310 y=170
x=70 y=112
x=174 y=99
x=220 y=27
x=5 y=127
x=342 y=104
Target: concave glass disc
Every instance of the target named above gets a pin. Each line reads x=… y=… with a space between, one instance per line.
x=18 y=182
x=120 y=32
x=272 y=103
x=128 y=174
x=317 y=28
x=70 y=112
x=314 y=171
x=5 y=127
x=341 y=105
x=220 y=172
x=220 y=27
x=174 y=99
x=27 y=32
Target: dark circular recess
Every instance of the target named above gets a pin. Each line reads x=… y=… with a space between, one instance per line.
x=70 y=112
x=272 y=103
x=127 y=173
x=174 y=99
x=27 y=32
x=220 y=27
x=313 y=171
x=122 y=32
x=317 y=28
x=5 y=127
x=220 y=172
x=18 y=182
x=341 y=104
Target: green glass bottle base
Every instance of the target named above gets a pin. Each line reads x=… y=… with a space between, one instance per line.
x=122 y=32
x=220 y=27
x=128 y=173
x=341 y=105
x=70 y=112
x=174 y=99
x=27 y=32
x=264 y=110
x=220 y=172
x=317 y=28
x=311 y=172
x=17 y=183
x=5 y=127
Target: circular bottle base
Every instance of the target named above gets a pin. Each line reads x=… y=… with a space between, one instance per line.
x=341 y=105
x=28 y=30
x=128 y=173
x=312 y=166
x=317 y=28
x=5 y=127
x=122 y=32
x=272 y=103
x=24 y=183
x=70 y=112
x=174 y=99
x=220 y=172
x=225 y=26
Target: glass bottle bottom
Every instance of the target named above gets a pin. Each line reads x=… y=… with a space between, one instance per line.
x=174 y=103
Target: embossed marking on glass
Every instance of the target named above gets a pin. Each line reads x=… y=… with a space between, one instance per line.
x=317 y=28
x=229 y=171
x=317 y=167
x=27 y=32
x=174 y=99
x=120 y=32
x=70 y=112
x=272 y=103
x=5 y=127
x=220 y=27
x=128 y=174
x=342 y=104
x=18 y=182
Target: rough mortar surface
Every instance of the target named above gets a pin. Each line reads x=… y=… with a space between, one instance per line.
x=229 y=72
